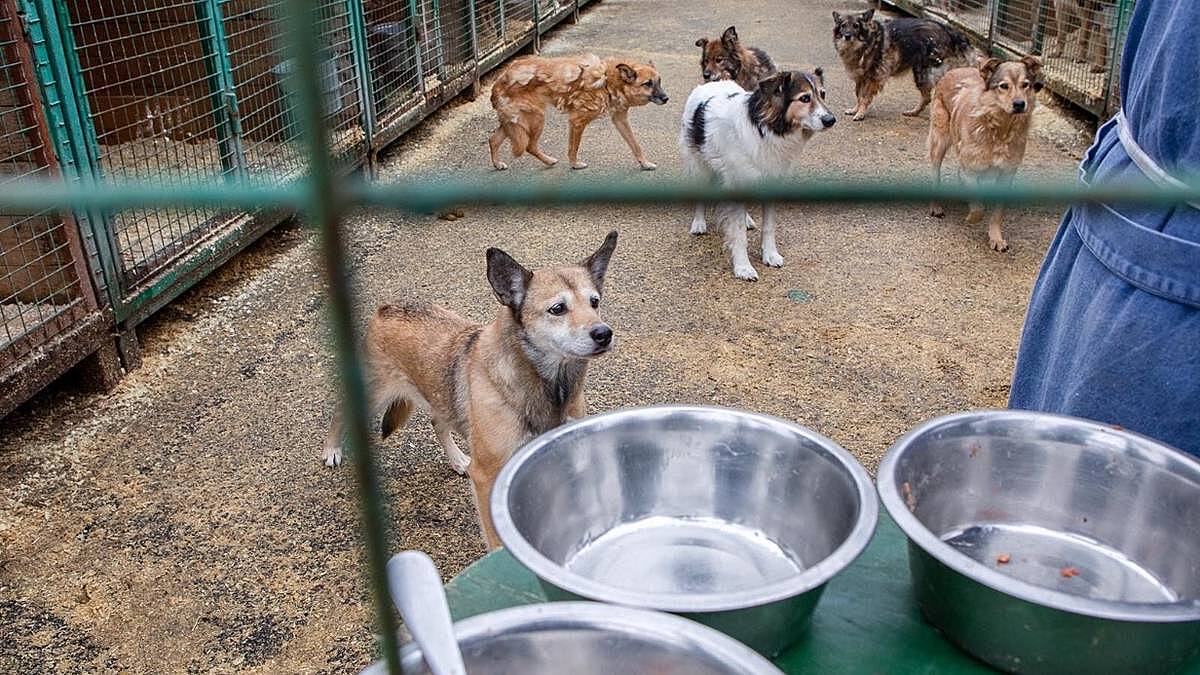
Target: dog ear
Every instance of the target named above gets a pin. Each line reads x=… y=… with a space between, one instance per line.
x=597 y=263
x=770 y=86
x=837 y=16
x=628 y=74
x=820 y=73
x=869 y=14
x=1034 y=68
x=508 y=279
x=729 y=38
x=988 y=68
x=702 y=43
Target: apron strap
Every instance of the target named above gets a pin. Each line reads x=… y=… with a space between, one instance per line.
x=1155 y=173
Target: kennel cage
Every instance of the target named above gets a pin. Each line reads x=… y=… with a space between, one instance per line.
x=179 y=93
x=1078 y=41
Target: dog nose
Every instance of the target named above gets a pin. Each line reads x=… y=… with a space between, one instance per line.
x=664 y=98
x=601 y=335
x=707 y=75
x=828 y=120
x=1018 y=106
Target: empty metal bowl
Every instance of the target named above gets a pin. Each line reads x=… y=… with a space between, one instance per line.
x=733 y=519
x=1050 y=544
x=587 y=638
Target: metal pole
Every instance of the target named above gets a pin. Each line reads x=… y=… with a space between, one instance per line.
x=323 y=204
x=537 y=27
x=1114 y=64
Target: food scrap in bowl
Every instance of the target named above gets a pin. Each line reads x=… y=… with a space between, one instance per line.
x=1003 y=559
x=1068 y=572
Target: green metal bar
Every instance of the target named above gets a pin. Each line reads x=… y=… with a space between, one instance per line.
x=417 y=20
x=1120 y=26
x=362 y=69
x=474 y=45
x=222 y=92
x=537 y=26
x=323 y=206
x=503 y=25
x=430 y=196
x=72 y=133
x=992 y=20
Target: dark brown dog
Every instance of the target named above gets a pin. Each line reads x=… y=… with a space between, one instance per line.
x=873 y=52
x=726 y=58
x=584 y=87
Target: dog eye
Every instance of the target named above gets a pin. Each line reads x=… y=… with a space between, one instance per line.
x=558 y=309
x=647 y=83
x=595 y=302
x=1004 y=86
x=1025 y=85
x=805 y=98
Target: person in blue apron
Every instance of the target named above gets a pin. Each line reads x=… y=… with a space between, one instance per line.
x=1113 y=328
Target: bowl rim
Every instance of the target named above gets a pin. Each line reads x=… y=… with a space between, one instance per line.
x=601 y=616
x=811 y=577
x=917 y=533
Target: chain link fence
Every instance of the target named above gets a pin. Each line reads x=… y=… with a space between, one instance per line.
x=180 y=93
x=1078 y=41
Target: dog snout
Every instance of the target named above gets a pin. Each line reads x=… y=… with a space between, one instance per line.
x=708 y=75
x=660 y=98
x=1019 y=106
x=601 y=334
x=827 y=120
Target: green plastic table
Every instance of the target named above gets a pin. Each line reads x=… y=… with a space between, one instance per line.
x=867 y=620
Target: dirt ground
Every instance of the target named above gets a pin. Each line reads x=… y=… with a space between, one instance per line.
x=183 y=521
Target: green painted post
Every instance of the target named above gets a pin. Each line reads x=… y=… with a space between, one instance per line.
x=418 y=53
x=503 y=26
x=362 y=70
x=221 y=86
x=994 y=17
x=324 y=204
x=537 y=27
x=1039 y=27
x=1119 y=29
x=474 y=48
x=73 y=136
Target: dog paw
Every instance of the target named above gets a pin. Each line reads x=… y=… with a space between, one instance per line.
x=699 y=227
x=937 y=211
x=851 y=111
x=772 y=259
x=579 y=165
x=332 y=456
x=998 y=245
x=648 y=166
x=858 y=117
x=550 y=161
x=460 y=464
x=750 y=222
x=911 y=113
x=745 y=272
x=500 y=166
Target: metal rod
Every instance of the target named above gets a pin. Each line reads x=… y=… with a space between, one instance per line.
x=27 y=196
x=324 y=206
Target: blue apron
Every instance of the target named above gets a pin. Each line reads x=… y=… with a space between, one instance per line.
x=1113 y=327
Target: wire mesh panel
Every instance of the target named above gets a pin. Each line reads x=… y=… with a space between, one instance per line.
x=974 y=16
x=1077 y=40
x=393 y=53
x=261 y=72
x=148 y=87
x=42 y=290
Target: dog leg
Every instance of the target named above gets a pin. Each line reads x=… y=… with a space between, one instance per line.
x=576 y=135
x=938 y=145
x=995 y=237
x=620 y=119
x=699 y=226
x=733 y=217
x=458 y=460
x=331 y=454
x=770 y=252
x=494 y=143
x=924 y=88
x=535 y=135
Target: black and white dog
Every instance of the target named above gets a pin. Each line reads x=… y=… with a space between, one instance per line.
x=736 y=137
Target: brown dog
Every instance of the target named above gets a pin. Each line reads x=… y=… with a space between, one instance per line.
x=726 y=58
x=496 y=385
x=984 y=114
x=584 y=87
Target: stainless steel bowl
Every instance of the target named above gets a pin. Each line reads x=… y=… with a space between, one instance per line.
x=1050 y=544
x=587 y=638
x=733 y=519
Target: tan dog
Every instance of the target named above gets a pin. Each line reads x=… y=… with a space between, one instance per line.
x=985 y=115
x=584 y=87
x=497 y=385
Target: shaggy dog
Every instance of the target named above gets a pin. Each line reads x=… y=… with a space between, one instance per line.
x=584 y=87
x=873 y=52
x=737 y=137
x=984 y=114
x=726 y=58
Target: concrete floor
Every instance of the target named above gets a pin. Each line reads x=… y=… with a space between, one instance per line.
x=183 y=521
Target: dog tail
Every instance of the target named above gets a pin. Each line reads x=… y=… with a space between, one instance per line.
x=395 y=417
